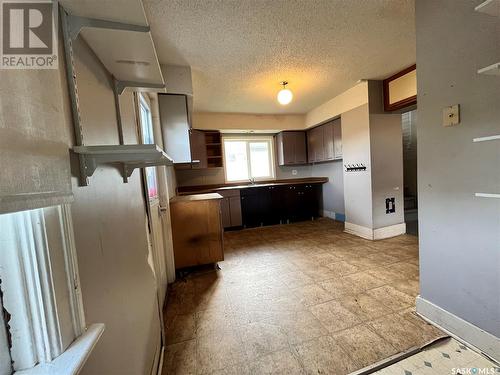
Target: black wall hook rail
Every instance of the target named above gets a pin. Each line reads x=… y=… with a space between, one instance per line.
x=355 y=167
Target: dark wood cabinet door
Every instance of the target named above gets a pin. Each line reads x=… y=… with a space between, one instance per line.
x=288 y=148
x=290 y=204
x=312 y=201
x=337 y=140
x=291 y=148
x=280 y=157
x=328 y=141
x=226 y=213
x=319 y=148
x=300 y=148
x=198 y=149
x=311 y=146
x=256 y=207
x=235 y=211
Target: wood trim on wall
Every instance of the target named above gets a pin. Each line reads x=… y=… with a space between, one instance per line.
x=412 y=100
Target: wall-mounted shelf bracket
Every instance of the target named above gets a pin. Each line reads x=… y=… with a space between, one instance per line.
x=120 y=86
x=78 y=23
x=491 y=7
x=128 y=157
x=492 y=70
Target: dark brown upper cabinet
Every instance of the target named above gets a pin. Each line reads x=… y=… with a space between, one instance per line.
x=291 y=148
x=205 y=149
x=198 y=149
x=324 y=142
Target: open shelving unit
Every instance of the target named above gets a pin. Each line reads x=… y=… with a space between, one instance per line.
x=128 y=157
x=213 y=145
x=118 y=33
x=492 y=8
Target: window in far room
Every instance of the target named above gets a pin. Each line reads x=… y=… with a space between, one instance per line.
x=148 y=138
x=248 y=158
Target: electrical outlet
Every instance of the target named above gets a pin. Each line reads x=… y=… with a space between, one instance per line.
x=451 y=115
x=294 y=172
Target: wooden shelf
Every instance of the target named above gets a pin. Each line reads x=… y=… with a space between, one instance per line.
x=129 y=157
x=492 y=70
x=491 y=7
x=118 y=33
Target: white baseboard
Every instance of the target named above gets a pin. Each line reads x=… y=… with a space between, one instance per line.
x=358 y=230
x=375 y=234
x=390 y=231
x=459 y=328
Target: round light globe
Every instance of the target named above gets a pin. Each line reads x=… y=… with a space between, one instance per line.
x=285 y=96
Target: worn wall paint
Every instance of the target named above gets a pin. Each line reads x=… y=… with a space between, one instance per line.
x=109 y=219
x=459 y=233
x=348 y=100
x=242 y=121
x=356 y=149
x=387 y=168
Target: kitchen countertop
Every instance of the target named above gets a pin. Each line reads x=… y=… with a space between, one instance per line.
x=186 y=190
x=195 y=197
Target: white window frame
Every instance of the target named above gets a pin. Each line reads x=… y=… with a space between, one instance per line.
x=142 y=101
x=46 y=337
x=248 y=139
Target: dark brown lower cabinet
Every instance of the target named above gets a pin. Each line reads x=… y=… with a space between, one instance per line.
x=231 y=208
x=280 y=204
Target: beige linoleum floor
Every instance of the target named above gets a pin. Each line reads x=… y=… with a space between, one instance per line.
x=304 y=298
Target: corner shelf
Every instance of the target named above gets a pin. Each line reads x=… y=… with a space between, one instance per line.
x=492 y=70
x=491 y=7
x=129 y=157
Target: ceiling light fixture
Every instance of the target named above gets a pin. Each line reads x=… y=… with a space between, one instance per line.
x=285 y=96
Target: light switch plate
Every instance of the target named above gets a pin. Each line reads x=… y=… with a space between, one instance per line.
x=451 y=115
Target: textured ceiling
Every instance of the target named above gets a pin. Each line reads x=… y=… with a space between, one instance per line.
x=239 y=50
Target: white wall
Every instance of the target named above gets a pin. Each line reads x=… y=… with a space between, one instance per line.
x=117 y=283
x=242 y=121
x=459 y=233
x=356 y=150
x=348 y=100
x=387 y=168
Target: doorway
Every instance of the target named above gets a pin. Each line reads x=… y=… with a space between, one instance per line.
x=409 y=130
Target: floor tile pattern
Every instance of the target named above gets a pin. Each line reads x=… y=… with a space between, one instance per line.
x=303 y=298
x=445 y=357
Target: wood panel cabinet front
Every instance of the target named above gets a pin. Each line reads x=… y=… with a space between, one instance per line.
x=198 y=149
x=337 y=140
x=197 y=232
x=324 y=142
x=328 y=141
x=291 y=147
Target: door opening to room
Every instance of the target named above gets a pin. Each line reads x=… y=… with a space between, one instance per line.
x=409 y=124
